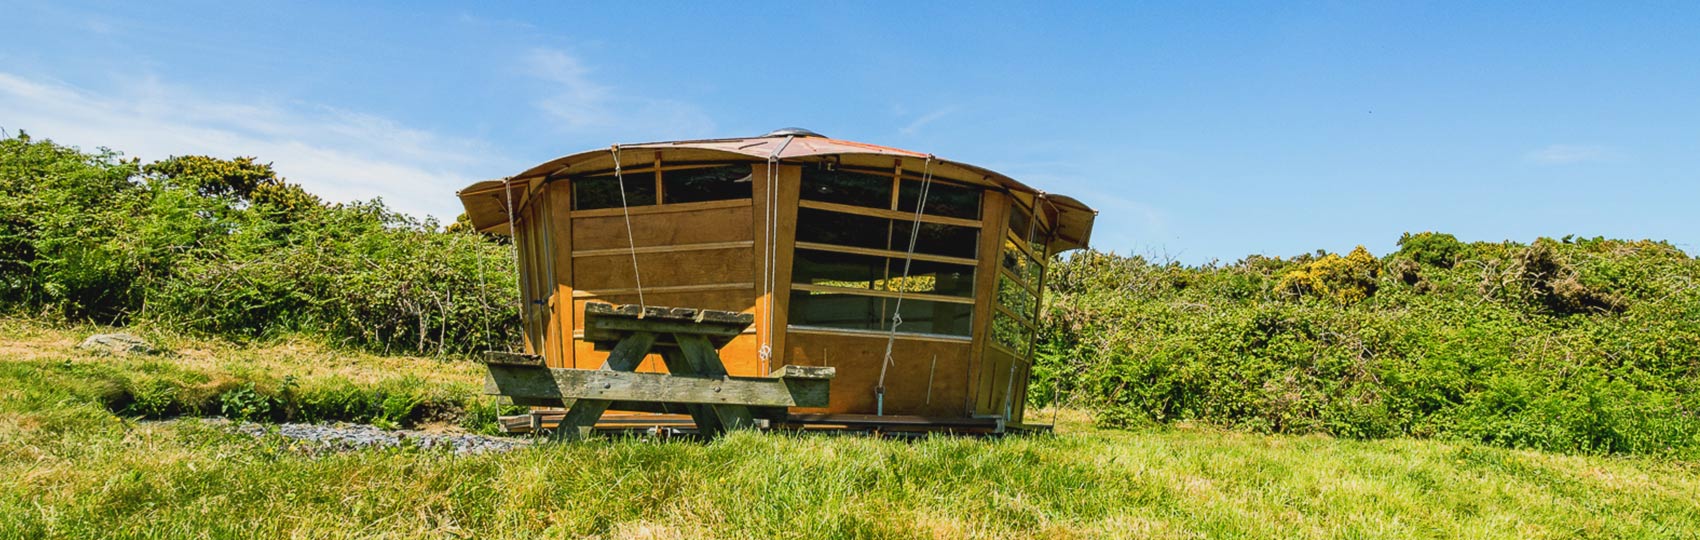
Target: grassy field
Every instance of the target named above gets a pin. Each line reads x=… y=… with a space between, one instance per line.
x=72 y=468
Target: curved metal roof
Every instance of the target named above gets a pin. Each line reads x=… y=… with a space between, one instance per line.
x=486 y=205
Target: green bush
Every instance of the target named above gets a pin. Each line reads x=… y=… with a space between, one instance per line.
x=1575 y=345
x=225 y=247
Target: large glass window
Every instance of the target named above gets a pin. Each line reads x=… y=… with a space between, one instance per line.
x=846 y=187
x=849 y=266
x=1020 y=279
x=706 y=184
x=854 y=230
x=1011 y=334
x=833 y=309
x=677 y=184
x=942 y=199
x=603 y=191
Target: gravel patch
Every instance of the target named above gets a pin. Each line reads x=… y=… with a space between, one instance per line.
x=341 y=437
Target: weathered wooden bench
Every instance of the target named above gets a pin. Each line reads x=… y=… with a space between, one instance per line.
x=688 y=341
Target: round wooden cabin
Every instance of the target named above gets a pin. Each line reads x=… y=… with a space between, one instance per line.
x=812 y=236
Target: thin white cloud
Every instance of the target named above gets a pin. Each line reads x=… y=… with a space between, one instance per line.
x=580 y=104
x=1565 y=154
x=337 y=154
x=918 y=123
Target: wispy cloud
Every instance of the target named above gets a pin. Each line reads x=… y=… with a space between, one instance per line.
x=921 y=122
x=338 y=154
x=581 y=104
x=1565 y=154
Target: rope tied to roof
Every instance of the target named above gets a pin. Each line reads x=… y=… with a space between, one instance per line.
x=513 y=248
x=770 y=251
x=903 y=283
x=631 y=240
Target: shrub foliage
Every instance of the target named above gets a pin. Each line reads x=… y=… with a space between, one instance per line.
x=1586 y=345
x=226 y=247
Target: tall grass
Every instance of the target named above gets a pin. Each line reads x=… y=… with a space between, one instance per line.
x=74 y=468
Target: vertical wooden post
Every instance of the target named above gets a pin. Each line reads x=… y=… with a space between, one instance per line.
x=561 y=223
x=994 y=208
x=704 y=361
x=582 y=414
x=784 y=238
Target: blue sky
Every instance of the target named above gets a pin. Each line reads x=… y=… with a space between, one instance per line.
x=1201 y=131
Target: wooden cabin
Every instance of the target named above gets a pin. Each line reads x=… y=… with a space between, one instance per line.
x=812 y=236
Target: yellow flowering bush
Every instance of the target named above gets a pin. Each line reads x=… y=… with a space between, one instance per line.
x=1346 y=280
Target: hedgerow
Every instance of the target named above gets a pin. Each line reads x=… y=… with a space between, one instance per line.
x=1589 y=345
x=225 y=247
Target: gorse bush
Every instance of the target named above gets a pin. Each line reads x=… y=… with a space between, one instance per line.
x=226 y=247
x=1574 y=344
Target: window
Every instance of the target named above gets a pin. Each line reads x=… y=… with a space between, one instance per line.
x=1020 y=279
x=603 y=191
x=942 y=199
x=1020 y=263
x=1016 y=297
x=852 y=244
x=846 y=187
x=706 y=184
x=854 y=230
x=677 y=184
x=1011 y=334
x=832 y=309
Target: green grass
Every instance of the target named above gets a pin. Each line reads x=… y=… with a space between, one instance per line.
x=74 y=469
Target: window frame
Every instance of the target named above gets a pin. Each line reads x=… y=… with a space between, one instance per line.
x=1042 y=231
x=655 y=171
x=894 y=258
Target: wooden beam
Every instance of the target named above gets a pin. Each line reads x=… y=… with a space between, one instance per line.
x=901 y=336
x=594 y=293
x=892 y=214
x=885 y=253
x=704 y=416
x=706 y=362
x=884 y=293
x=711 y=246
x=582 y=415
x=662 y=208
x=787 y=388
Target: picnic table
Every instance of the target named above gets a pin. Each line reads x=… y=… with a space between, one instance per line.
x=688 y=341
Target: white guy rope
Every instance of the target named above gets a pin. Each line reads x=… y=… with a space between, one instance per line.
x=631 y=241
x=908 y=257
x=770 y=252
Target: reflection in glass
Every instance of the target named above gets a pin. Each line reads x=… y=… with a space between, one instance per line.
x=706 y=184
x=1012 y=335
x=846 y=187
x=856 y=312
x=1011 y=295
x=943 y=199
x=593 y=192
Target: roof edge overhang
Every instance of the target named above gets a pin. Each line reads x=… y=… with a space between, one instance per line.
x=488 y=204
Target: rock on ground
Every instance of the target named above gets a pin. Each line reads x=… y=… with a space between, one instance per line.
x=121 y=344
x=344 y=437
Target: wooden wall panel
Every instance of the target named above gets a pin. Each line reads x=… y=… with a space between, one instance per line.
x=561 y=236
x=604 y=272
x=857 y=359
x=669 y=229
x=992 y=378
x=789 y=184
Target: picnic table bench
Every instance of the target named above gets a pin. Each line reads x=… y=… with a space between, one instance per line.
x=688 y=341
